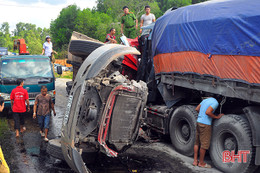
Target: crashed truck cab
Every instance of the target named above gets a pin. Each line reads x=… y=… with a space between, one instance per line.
x=104 y=107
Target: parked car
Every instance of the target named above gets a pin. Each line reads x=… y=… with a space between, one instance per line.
x=3 y=51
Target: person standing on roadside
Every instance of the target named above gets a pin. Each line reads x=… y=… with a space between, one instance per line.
x=147 y=18
x=2 y=104
x=18 y=97
x=206 y=111
x=47 y=48
x=111 y=38
x=129 y=23
x=45 y=105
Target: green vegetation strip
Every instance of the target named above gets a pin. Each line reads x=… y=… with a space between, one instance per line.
x=65 y=74
x=7 y=144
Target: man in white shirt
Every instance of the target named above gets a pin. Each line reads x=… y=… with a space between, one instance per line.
x=47 y=47
x=147 y=18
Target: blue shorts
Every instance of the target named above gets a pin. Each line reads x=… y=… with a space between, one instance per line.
x=44 y=121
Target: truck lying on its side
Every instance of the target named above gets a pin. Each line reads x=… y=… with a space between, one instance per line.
x=202 y=50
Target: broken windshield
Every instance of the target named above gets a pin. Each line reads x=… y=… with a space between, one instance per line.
x=26 y=68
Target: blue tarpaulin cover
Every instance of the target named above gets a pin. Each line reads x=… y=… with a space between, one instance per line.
x=218 y=27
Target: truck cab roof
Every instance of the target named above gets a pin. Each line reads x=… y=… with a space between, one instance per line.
x=23 y=56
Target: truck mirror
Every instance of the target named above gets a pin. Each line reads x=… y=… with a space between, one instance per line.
x=59 y=70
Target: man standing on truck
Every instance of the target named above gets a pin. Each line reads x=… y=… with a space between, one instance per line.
x=147 y=18
x=47 y=48
x=129 y=23
x=18 y=97
x=206 y=111
x=44 y=103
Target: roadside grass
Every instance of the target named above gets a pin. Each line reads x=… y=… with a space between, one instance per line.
x=7 y=145
x=65 y=74
x=3 y=127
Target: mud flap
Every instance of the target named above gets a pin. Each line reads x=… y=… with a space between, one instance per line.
x=80 y=165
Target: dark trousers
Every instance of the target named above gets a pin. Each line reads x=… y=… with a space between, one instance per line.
x=18 y=119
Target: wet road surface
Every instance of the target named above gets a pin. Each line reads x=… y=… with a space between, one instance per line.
x=29 y=151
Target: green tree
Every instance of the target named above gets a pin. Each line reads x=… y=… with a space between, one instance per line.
x=5 y=36
x=62 y=27
x=5 y=28
x=167 y=4
x=114 y=7
x=93 y=23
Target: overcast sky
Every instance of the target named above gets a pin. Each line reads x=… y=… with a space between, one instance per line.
x=39 y=12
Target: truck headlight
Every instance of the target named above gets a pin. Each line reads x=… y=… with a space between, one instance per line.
x=52 y=93
x=5 y=96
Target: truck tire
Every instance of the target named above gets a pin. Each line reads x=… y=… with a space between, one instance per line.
x=232 y=132
x=183 y=128
x=82 y=48
x=69 y=86
x=54 y=149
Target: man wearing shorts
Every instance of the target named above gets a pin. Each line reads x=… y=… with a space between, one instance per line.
x=18 y=97
x=45 y=105
x=206 y=111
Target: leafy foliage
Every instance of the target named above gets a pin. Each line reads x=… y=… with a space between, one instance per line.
x=95 y=23
x=34 y=37
x=62 y=27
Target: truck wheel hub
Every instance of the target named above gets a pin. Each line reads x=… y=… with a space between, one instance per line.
x=185 y=130
x=230 y=144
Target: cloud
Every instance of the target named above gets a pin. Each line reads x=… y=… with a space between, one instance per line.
x=38 y=12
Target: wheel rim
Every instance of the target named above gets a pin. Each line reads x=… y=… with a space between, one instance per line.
x=227 y=141
x=183 y=131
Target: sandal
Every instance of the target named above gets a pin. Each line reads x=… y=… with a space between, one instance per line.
x=195 y=164
x=205 y=166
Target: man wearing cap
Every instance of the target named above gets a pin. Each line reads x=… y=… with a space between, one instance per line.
x=47 y=47
x=129 y=23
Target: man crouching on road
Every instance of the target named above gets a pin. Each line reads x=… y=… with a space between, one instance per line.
x=206 y=111
x=44 y=103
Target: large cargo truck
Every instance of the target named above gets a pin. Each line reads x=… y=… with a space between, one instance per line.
x=203 y=50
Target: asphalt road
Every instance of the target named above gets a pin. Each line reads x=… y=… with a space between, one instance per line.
x=31 y=156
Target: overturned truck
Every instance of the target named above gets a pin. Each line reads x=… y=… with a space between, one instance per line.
x=208 y=49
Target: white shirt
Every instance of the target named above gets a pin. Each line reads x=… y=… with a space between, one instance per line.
x=148 y=19
x=47 y=48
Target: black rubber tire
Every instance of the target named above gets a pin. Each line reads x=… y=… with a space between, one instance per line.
x=54 y=149
x=184 y=116
x=69 y=86
x=225 y=127
x=83 y=48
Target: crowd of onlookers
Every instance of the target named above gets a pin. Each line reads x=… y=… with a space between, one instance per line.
x=129 y=24
x=20 y=105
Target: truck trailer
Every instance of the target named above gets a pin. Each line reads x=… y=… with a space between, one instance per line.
x=211 y=49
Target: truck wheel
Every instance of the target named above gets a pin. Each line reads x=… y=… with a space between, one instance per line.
x=54 y=149
x=232 y=132
x=183 y=129
x=83 y=48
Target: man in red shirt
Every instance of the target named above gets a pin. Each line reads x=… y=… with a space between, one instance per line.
x=18 y=97
x=111 y=38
